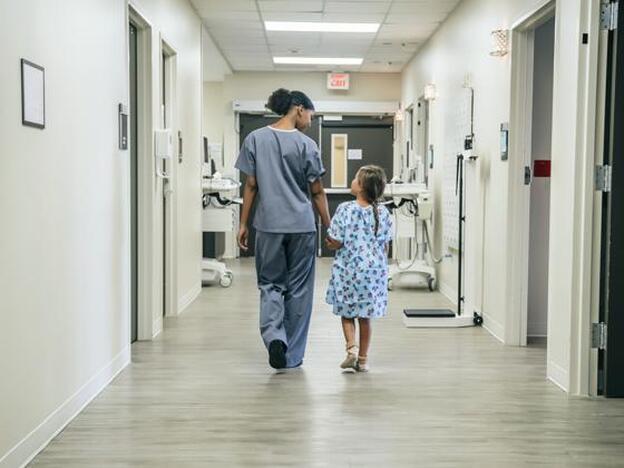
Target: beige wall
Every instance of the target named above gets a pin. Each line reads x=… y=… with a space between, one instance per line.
x=459 y=48
x=64 y=280
x=215 y=109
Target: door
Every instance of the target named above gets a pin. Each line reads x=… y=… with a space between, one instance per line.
x=367 y=140
x=249 y=123
x=134 y=150
x=165 y=124
x=611 y=359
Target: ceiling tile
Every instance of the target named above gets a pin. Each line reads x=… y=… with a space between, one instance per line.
x=312 y=6
x=292 y=16
x=354 y=7
x=237 y=28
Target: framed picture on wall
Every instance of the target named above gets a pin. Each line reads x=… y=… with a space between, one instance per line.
x=33 y=94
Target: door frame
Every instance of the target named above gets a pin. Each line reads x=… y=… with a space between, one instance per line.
x=169 y=193
x=575 y=379
x=610 y=275
x=146 y=328
x=596 y=279
x=520 y=131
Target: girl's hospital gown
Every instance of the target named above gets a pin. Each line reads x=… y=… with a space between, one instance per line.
x=359 y=281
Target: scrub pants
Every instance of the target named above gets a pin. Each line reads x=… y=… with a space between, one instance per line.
x=285 y=269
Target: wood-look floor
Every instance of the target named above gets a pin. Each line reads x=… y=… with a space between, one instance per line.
x=203 y=395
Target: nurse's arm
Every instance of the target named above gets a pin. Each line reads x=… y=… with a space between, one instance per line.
x=320 y=201
x=249 y=196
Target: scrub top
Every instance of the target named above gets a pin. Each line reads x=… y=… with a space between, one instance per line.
x=284 y=163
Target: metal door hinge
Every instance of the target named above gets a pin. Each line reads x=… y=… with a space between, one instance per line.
x=609 y=16
x=599 y=335
x=602 y=178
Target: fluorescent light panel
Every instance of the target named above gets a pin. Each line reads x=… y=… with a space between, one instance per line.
x=316 y=61
x=307 y=26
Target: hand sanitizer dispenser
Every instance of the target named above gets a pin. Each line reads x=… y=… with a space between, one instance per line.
x=163 y=144
x=163 y=150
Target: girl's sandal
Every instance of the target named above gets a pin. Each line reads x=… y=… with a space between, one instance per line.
x=362 y=364
x=350 y=361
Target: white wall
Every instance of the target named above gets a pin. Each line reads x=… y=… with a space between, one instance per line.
x=540 y=187
x=64 y=251
x=176 y=22
x=64 y=255
x=461 y=47
x=219 y=119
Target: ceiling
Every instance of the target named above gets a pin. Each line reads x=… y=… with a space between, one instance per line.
x=237 y=27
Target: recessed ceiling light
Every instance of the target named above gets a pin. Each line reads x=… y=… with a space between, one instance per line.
x=308 y=26
x=317 y=61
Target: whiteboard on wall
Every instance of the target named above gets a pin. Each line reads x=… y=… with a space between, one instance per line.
x=457 y=127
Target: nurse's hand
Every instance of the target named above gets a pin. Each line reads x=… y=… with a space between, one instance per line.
x=333 y=244
x=243 y=236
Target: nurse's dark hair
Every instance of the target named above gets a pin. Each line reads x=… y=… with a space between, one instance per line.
x=372 y=180
x=282 y=100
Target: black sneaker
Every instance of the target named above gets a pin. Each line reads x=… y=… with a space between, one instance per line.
x=277 y=354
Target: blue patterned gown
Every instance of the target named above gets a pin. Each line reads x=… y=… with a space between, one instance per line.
x=359 y=281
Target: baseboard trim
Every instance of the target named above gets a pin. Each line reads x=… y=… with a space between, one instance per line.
x=493 y=327
x=38 y=439
x=157 y=327
x=189 y=297
x=448 y=292
x=557 y=375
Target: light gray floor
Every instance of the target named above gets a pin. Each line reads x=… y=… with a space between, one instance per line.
x=203 y=395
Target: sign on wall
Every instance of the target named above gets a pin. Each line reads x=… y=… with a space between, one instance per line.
x=33 y=94
x=338 y=81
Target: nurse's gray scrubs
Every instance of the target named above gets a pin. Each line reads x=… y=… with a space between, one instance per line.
x=284 y=163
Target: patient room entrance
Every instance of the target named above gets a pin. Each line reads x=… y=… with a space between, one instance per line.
x=529 y=135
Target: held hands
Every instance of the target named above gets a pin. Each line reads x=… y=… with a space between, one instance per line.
x=243 y=236
x=332 y=244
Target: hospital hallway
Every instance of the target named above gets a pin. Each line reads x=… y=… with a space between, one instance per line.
x=459 y=158
x=202 y=394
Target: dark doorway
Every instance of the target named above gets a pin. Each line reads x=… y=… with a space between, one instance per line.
x=249 y=123
x=611 y=358
x=372 y=139
x=374 y=136
x=134 y=117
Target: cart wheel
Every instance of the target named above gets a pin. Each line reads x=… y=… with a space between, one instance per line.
x=226 y=280
x=431 y=282
x=478 y=320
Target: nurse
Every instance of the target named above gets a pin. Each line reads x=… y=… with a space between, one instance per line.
x=284 y=171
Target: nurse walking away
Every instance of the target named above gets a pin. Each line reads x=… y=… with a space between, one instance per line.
x=284 y=171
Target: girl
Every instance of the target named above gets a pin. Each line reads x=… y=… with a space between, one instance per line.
x=360 y=232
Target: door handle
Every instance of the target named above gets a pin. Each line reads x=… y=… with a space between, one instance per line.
x=527 y=175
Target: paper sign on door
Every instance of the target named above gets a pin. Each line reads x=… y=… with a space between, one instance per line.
x=355 y=154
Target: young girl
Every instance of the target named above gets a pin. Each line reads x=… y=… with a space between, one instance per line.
x=358 y=289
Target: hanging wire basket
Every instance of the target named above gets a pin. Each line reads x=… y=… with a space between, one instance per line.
x=500 y=43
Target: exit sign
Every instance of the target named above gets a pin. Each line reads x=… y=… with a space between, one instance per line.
x=338 y=81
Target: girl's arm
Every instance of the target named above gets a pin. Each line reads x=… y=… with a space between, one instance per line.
x=336 y=232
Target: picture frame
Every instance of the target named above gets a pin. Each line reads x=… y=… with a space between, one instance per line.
x=33 y=94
